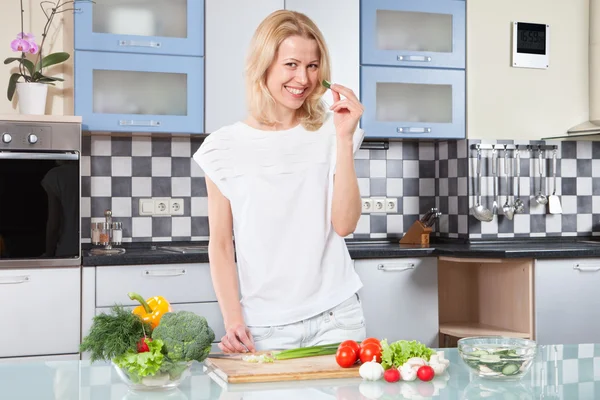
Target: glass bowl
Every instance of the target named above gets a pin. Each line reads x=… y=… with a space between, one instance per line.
x=498 y=357
x=168 y=377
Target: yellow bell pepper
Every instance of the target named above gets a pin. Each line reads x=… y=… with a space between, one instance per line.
x=152 y=309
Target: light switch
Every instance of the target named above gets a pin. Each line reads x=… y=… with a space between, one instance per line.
x=146 y=207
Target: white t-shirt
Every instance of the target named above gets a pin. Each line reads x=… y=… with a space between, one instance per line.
x=292 y=265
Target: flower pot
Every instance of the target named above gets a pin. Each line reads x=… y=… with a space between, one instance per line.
x=32 y=97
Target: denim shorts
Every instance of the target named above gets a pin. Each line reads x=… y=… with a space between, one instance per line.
x=342 y=322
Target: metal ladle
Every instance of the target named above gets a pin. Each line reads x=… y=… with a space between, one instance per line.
x=519 y=205
x=541 y=198
x=509 y=211
x=478 y=210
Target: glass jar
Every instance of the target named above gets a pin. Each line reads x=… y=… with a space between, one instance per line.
x=104 y=229
x=117 y=232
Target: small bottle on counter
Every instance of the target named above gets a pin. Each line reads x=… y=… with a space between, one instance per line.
x=117 y=233
x=95 y=232
x=104 y=233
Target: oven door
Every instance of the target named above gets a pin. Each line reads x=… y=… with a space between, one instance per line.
x=40 y=221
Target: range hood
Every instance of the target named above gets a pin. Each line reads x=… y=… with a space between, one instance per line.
x=592 y=127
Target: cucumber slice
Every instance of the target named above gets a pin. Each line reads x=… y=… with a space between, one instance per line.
x=510 y=369
x=478 y=353
x=489 y=358
x=326 y=84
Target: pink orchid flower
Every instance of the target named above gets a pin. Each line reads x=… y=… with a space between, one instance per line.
x=34 y=47
x=20 y=45
x=26 y=36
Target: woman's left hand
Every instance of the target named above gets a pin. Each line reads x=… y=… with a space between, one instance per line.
x=346 y=112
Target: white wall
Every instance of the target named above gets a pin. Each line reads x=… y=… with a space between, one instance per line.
x=34 y=21
x=520 y=103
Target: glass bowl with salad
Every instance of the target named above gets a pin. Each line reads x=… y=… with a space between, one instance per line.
x=498 y=357
x=169 y=376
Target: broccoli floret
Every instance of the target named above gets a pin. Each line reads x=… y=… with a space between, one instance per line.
x=186 y=336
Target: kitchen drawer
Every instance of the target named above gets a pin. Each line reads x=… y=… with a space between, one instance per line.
x=37 y=301
x=178 y=283
x=210 y=311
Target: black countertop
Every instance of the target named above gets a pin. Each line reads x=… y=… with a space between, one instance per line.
x=197 y=252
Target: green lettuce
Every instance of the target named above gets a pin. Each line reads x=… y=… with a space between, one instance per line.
x=397 y=353
x=139 y=365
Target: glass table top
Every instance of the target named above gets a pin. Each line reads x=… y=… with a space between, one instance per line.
x=559 y=372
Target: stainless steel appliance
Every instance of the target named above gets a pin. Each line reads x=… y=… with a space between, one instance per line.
x=40 y=191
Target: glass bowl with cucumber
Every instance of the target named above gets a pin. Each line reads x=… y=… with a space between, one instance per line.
x=498 y=357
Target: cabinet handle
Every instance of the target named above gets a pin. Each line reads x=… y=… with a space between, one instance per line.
x=139 y=43
x=131 y=122
x=396 y=267
x=165 y=272
x=414 y=58
x=408 y=129
x=586 y=269
x=11 y=280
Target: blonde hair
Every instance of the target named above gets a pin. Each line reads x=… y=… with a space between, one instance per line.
x=273 y=30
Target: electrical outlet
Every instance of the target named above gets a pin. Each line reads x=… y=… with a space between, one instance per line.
x=378 y=204
x=367 y=205
x=176 y=206
x=161 y=206
x=391 y=205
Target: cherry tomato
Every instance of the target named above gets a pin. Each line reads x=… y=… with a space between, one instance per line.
x=391 y=375
x=368 y=351
x=370 y=340
x=425 y=373
x=345 y=356
x=352 y=344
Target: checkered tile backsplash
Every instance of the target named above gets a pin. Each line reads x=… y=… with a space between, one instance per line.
x=118 y=171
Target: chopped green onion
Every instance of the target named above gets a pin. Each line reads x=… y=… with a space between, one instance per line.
x=321 y=350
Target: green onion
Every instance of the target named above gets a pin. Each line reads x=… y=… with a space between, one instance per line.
x=322 y=350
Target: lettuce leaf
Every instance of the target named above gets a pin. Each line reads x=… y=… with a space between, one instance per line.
x=142 y=364
x=397 y=353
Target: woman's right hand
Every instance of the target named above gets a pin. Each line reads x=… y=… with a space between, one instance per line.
x=237 y=339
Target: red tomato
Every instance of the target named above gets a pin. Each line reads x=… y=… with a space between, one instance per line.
x=370 y=340
x=352 y=344
x=391 y=375
x=368 y=351
x=345 y=356
x=425 y=373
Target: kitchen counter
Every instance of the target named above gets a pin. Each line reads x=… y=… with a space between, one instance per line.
x=197 y=252
x=559 y=372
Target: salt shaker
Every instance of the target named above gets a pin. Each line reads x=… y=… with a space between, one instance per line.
x=117 y=233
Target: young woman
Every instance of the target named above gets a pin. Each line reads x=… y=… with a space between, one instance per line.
x=283 y=182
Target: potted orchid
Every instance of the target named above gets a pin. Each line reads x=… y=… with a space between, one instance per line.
x=33 y=88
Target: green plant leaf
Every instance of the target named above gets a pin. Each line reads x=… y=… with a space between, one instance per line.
x=54 y=58
x=11 y=59
x=12 y=85
x=29 y=65
x=42 y=78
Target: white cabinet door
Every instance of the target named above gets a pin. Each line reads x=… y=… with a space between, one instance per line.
x=567 y=306
x=339 y=21
x=400 y=298
x=41 y=313
x=230 y=24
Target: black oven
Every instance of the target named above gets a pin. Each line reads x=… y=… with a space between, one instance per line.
x=40 y=188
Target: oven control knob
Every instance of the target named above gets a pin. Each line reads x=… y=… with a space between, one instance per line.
x=6 y=138
x=32 y=138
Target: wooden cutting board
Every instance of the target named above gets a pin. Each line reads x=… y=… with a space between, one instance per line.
x=236 y=370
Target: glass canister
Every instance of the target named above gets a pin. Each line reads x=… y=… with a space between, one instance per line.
x=117 y=233
x=95 y=232
x=104 y=229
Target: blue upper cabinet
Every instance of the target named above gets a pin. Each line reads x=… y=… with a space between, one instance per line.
x=413 y=33
x=169 y=27
x=409 y=103
x=119 y=92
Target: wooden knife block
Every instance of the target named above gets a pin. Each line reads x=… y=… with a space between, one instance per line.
x=417 y=234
